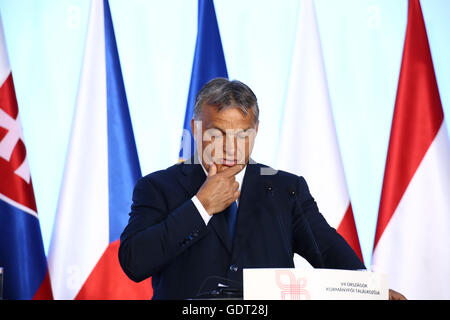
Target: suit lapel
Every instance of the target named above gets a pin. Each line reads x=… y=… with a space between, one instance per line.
x=219 y=224
x=192 y=179
x=250 y=202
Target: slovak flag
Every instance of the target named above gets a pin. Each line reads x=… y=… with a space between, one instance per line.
x=22 y=255
x=101 y=170
x=308 y=140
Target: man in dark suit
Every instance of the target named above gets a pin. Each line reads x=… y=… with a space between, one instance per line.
x=210 y=217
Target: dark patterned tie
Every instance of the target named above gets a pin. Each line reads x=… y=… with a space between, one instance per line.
x=230 y=215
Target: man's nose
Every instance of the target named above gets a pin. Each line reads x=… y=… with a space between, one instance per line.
x=230 y=146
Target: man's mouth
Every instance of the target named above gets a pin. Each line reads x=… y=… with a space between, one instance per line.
x=228 y=162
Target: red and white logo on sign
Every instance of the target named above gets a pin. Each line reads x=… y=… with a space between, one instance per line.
x=294 y=288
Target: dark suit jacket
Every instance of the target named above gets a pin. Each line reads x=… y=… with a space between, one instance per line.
x=167 y=239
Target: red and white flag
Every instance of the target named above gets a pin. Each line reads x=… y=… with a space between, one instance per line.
x=308 y=142
x=101 y=170
x=413 y=230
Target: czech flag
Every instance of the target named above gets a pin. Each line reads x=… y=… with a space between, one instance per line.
x=22 y=255
x=101 y=170
x=209 y=63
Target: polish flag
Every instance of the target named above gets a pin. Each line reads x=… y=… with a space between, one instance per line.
x=308 y=142
x=101 y=170
x=413 y=230
x=22 y=256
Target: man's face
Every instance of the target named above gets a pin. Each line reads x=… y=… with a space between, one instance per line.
x=224 y=137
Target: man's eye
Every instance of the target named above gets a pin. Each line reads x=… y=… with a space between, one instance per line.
x=215 y=132
x=211 y=134
x=242 y=134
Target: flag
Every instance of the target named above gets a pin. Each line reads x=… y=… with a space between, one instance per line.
x=412 y=235
x=308 y=142
x=101 y=170
x=209 y=63
x=22 y=254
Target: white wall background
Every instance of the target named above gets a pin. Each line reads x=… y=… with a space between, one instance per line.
x=362 y=42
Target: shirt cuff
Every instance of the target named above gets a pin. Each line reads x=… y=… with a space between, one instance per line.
x=205 y=216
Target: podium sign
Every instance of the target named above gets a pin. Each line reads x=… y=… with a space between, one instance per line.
x=314 y=284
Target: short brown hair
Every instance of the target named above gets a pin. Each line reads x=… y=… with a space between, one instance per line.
x=224 y=93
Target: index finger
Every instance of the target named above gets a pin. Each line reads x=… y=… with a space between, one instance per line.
x=231 y=171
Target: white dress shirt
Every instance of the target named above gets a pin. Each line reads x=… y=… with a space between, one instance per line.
x=203 y=213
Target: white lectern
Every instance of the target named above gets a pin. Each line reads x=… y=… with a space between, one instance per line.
x=314 y=284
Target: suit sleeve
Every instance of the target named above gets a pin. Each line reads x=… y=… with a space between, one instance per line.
x=326 y=248
x=155 y=235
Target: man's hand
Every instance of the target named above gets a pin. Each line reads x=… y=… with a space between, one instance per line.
x=394 y=295
x=220 y=189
